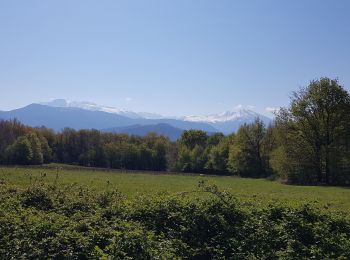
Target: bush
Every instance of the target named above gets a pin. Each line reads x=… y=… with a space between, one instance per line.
x=75 y=223
x=37 y=198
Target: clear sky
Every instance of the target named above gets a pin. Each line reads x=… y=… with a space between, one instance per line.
x=173 y=57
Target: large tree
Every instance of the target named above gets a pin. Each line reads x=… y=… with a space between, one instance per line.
x=20 y=152
x=192 y=152
x=317 y=120
x=248 y=155
x=218 y=156
x=191 y=138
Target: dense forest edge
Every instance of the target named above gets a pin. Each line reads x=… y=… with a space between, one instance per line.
x=308 y=143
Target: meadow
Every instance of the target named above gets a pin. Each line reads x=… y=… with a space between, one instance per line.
x=133 y=184
x=67 y=212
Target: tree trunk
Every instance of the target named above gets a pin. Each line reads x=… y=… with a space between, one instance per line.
x=319 y=165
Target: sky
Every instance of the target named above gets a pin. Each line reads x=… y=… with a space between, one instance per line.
x=179 y=57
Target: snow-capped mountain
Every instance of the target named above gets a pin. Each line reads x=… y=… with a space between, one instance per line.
x=229 y=121
x=223 y=117
x=95 y=107
x=226 y=122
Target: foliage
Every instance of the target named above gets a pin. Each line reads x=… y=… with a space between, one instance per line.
x=20 y=151
x=192 y=138
x=314 y=134
x=192 y=155
x=218 y=155
x=249 y=156
x=25 y=145
x=36 y=148
x=72 y=222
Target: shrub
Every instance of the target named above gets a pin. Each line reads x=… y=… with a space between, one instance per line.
x=75 y=223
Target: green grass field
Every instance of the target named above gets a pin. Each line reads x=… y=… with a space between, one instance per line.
x=255 y=191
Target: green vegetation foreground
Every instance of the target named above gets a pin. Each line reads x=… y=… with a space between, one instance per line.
x=52 y=214
x=133 y=184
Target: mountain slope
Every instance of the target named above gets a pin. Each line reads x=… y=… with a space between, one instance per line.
x=141 y=130
x=95 y=107
x=58 y=118
x=183 y=124
x=226 y=122
x=59 y=114
x=229 y=121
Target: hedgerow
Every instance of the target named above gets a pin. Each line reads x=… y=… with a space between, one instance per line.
x=73 y=222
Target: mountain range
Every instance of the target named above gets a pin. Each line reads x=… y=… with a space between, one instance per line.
x=60 y=113
x=173 y=133
x=94 y=107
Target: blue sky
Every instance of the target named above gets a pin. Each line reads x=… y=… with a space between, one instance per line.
x=171 y=57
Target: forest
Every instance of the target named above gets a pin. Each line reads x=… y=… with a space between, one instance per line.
x=308 y=143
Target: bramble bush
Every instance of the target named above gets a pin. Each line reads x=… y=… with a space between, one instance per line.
x=74 y=222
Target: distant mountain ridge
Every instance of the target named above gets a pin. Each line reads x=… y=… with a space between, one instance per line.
x=60 y=113
x=223 y=117
x=95 y=107
x=57 y=118
x=141 y=130
x=229 y=121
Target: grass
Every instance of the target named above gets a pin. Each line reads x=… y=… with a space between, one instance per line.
x=254 y=191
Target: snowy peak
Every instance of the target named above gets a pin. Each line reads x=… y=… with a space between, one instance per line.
x=95 y=107
x=229 y=121
x=241 y=114
x=83 y=105
x=226 y=122
x=56 y=103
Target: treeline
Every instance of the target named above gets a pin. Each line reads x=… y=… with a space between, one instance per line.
x=309 y=143
x=24 y=145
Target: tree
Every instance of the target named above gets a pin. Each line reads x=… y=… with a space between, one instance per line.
x=215 y=139
x=116 y=155
x=100 y=159
x=191 y=138
x=87 y=158
x=9 y=132
x=247 y=156
x=35 y=145
x=183 y=161
x=67 y=146
x=198 y=158
x=45 y=149
x=160 y=154
x=20 y=152
x=317 y=122
x=218 y=155
x=192 y=154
